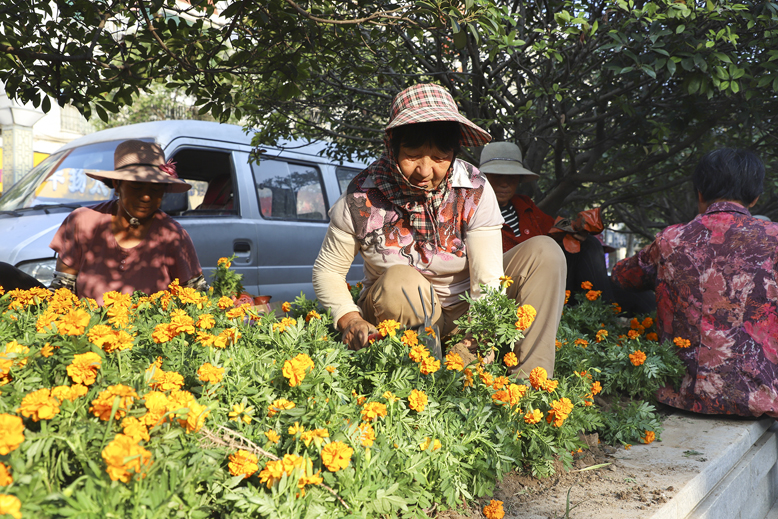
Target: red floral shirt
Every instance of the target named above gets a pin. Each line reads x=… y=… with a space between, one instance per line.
x=715 y=281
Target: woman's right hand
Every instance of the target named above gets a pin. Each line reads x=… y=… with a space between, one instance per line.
x=355 y=330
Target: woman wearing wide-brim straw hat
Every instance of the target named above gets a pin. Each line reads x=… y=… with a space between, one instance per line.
x=422 y=218
x=127 y=244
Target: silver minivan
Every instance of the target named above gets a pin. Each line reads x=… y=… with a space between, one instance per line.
x=270 y=213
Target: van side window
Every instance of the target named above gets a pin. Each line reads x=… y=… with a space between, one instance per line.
x=210 y=173
x=289 y=191
x=345 y=175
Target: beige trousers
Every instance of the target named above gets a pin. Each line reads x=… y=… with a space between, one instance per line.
x=538 y=269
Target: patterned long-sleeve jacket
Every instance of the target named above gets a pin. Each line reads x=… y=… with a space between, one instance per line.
x=715 y=282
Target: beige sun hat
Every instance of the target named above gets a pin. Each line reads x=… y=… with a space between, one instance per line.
x=504 y=158
x=139 y=161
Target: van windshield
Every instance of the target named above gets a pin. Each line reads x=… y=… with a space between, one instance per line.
x=61 y=179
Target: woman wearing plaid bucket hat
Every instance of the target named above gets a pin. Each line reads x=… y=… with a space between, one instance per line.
x=127 y=244
x=422 y=218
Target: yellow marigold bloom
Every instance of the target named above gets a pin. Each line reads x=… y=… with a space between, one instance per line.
x=63 y=393
x=637 y=358
x=600 y=335
x=122 y=448
x=313 y=314
x=5 y=475
x=388 y=327
x=45 y=321
x=243 y=463
x=114 y=298
x=494 y=510
x=272 y=436
x=429 y=365
x=373 y=410
x=627 y=446
x=336 y=456
x=526 y=316
x=156 y=401
x=295 y=369
x=533 y=417
x=417 y=400
x=11 y=433
x=418 y=353
x=366 y=434
x=205 y=321
x=225 y=262
x=501 y=397
x=272 y=473
x=10 y=505
x=102 y=405
x=181 y=322
x=500 y=382
x=315 y=435
x=586 y=285
x=74 y=322
x=239 y=312
x=567 y=296
x=510 y=359
x=177 y=401
x=162 y=333
x=83 y=369
x=596 y=387
x=633 y=334
x=291 y=462
x=39 y=405
x=426 y=443
x=538 y=377
x=560 y=410
x=649 y=437
x=506 y=281
x=190 y=296
x=682 y=343
x=225 y=302
x=516 y=392
x=286 y=322
x=486 y=378
x=209 y=373
x=242 y=409
x=389 y=396
x=551 y=385
x=410 y=338
x=108 y=339
x=195 y=418
x=331 y=369
x=652 y=337
x=295 y=429
x=286 y=307
x=135 y=429
x=313 y=479
x=166 y=380
x=281 y=404
x=430 y=331
x=454 y=362
x=468 y=378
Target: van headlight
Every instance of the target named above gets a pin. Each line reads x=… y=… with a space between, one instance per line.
x=42 y=269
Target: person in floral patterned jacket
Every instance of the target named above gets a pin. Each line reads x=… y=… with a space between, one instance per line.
x=716 y=291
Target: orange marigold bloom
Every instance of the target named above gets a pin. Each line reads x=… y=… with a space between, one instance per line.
x=637 y=358
x=315 y=435
x=649 y=437
x=11 y=433
x=239 y=312
x=179 y=400
x=486 y=378
x=526 y=315
x=417 y=400
x=567 y=296
x=166 y=380
x=45 y=321
x=13 y=355
x=501 y=397
x=533 y=417
x=500 y=382
x=410 y=338
x=39 y=405
x=286 y=307
x=313 y=314
x=593 y=295
x=516 y=392
x=647 y=322
x=74 y=322
x=538 y=377
x=388 y=327
x=295 y=369
x=494 y=510
x=366 y=434
x=162 y=333
x=210 y=373
x=506 y=281
x=331 y=369
x=286 y=322
x=83 y=369
x=596 y=387
x=454 y=362
x=616 y=308
x=10 y=505
x=418 y=353
x=205 y=321
x=122 y=448
x=652 y=337
x=5 y=476
x=429 y=365
x=560 y=410
x=135 y=429
x=557 y=343
x=225 y=302
x=468 y=378
x=682 y=343
x=373 y=410
x=102 y=405
x=427 y=442
x=336 y=456
x=583 y=343
x=156 y=402
x=272 y=436
x=272 y=473
x=600 y=335
x=633 y=334
x=224 y=262
x=281 y=404
x=510 y=359
x=243 y=463
x=551 y=385
x=586 y=285
x=195 y=418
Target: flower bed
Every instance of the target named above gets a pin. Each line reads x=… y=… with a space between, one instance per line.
x=182 y=405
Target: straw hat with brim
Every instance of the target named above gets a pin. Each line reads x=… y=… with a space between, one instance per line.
x=426 y=103
x=504 y=158
x=138 y=161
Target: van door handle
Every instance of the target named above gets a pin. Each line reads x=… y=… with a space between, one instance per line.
x=241 y=247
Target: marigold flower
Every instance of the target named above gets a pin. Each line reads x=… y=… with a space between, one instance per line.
x=122 y=448
x=10 y=505
x=634 y=323
x=586 y=285
x=558 y=344
x=281 y=404
x=74 y=322
x=593 y=295
x=637 y=358
x=272 y=436
x=417 y=400
x=83 y=369
x=494 y=510
x=533 y=417
x=682 y=343
x=454 y=362
x=596 y=387
x=410 y=338
x=237 y=313
x=616 y=308
x=389 y=396
x=429 y=365
x=388 y=327
x=205 y=321
x=156 y=401
x=63 y=393
x=627 y=446
x=177 y=401
x=560 y=410
x=225 y=302
x=516 y=392
x=209 y=373
x=102 y=405
x=243 y=463
x=500 y=382
x=649 y=437
x=551 y=385
x=315 y=435
x=166 y=380
x=39 y=405
x=501 y=397
x=272 y=473
x=633 y=334
x=647 y=322
x=45 y=321
x=567 y=296
x=13 y=355
x=468 y=378
x=418 y=353
x=430 y=331
x=162 y=333
x=583 y=343
x=11 y=433
x=313 y=314
x=5 y=475
x=195 y=417
x=427 y=442
x=526 y=315
x=652 y=337
x=224 y=262
x=286 y=307
x=486 y=378
x=286 y=322
x=295 y=369
x=538 y=377
x=245 y=411
x=506 y=281
x=336 y=456
x=600 y=335
x=135 y=429
x=365 y=434
x=510 y=359
x=373 y=410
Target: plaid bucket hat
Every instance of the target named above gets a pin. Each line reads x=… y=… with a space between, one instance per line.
x=426 y=102
x=139 y=161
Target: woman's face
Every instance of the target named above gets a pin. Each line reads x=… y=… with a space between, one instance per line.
x=140 y=199
x=504 y=186
x=426 y=166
